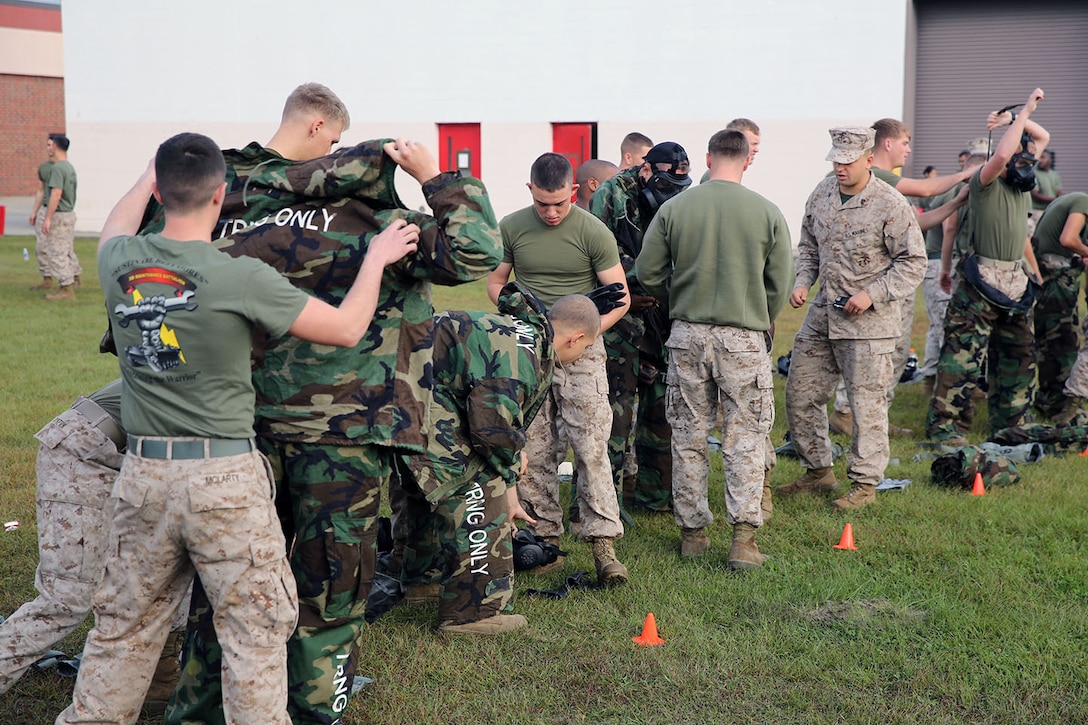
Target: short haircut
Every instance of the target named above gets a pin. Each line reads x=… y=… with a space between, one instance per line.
x=551 y=172
x=964 y=154
x=188 y=168
x=889 y=128
x=317 y=99
x=743 y=124
x=60 y=141
x=595 y=169
x=729 y=143
x=576 y=313
x=634 y=141
x=927 y=169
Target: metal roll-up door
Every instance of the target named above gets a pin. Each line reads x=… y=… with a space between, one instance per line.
x=972 y=57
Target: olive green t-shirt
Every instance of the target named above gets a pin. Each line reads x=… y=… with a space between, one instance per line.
x=1048 y=183
x=562 y=260
x=999 y=219
x=182 y=315
x=62 y=176
x=935 y=234
x=888 y=177
x=1049 y=229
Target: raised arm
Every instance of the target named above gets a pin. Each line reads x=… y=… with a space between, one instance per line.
x=1010 y=142
x=127 y=214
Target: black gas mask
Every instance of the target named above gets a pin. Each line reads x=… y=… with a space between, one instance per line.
x=669 y=166
x=1020 y=172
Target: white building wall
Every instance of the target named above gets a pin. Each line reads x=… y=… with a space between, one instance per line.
x=140 y=70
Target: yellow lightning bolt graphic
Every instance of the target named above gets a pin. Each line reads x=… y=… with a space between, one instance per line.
x=166 y=334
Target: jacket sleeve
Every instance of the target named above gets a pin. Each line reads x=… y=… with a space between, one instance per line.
x=907 y=249
x=808 y=251
x=460 y=242
x=494 y=414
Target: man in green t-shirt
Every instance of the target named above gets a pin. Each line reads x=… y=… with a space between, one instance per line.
x=182 y=315
x=989 y=316
x=58 y=222
x=556 y=249
x=1048 y=187
x=1060 y=248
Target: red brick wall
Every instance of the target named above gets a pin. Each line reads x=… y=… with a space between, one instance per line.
x=31 y=108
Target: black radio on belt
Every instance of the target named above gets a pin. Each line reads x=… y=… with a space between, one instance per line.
x=840 y=302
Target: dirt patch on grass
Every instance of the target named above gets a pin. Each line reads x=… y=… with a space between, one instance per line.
x=861 y=611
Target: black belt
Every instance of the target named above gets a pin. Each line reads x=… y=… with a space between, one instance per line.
x=173 y=449
x=101 y=420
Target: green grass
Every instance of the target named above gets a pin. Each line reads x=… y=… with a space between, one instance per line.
x=954 y=609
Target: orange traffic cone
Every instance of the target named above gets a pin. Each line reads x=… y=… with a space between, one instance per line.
x=649 y=637
x=1083 y=453
x=977 y=489
x=847 y=540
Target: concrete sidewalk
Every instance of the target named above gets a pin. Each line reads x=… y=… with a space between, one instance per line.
x=17 y=214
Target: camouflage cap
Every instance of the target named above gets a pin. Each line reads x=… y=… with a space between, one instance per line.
x=978 y=147
x=850 y=144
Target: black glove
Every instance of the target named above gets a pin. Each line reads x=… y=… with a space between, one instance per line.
x=608 y=297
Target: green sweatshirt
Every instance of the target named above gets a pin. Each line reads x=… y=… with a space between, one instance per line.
x=719 y=254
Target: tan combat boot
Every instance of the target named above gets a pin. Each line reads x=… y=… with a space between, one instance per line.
x=67 y=292
x=1070 y=408
x=860 y=496
x=897 y=430
x=47 y=283
x=165 y=679
x=766 y=504
x=609 y=570
x=743 y=554
x=497 y=624
x=695 y=542
x=814 y=480
x=419 y=595
x=841 y=422
x=548 y=568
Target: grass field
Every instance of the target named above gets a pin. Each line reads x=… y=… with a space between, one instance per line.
x=954 y=609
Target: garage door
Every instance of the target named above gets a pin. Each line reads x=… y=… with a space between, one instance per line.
x=974 y=57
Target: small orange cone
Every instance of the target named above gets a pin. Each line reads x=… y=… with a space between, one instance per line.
x=1084 y=453
x=847 y=540
x=649 y=637
x=977 y=489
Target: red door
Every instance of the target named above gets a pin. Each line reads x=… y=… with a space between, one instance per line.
x=459 y=148
x=576 y=141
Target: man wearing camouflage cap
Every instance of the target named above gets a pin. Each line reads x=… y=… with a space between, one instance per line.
x=636 y=344
x=861 y=239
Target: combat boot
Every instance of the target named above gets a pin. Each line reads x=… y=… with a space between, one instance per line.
x=419 y=595
x=165 y=679
x=695 y=542
x=1070 y=407
x=766 y=504
x=497 y=624
x=860 y=496
x=548 y=568
x=609 y=570
x=814 y=480
x=67 y=292
x=743 y=554
x=841 y=422
x=927 y=385
x=896 y=430
x=47 y=283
